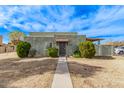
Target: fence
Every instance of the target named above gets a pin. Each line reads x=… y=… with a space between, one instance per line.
x=5 y=49
x=104 y=50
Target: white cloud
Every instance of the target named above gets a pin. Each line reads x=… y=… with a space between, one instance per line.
x=105 y=23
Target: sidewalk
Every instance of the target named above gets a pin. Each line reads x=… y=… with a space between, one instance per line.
x=62 y=77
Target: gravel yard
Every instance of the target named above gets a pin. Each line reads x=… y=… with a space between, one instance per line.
x=26 y=73
x=97 y=72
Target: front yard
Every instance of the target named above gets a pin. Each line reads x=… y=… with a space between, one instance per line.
x=90 y=73
x=39 y=72
x=26 y=73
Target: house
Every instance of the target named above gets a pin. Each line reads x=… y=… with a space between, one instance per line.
x=66 y=42
x=6 y=47
x=1 y=40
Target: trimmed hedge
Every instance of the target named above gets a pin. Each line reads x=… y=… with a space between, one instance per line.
x=53 y=52
x=87 y=49
x=23 y=49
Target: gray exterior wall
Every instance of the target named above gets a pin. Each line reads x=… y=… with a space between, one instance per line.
x=104 y=50
x=40 y=44
x=73 y=43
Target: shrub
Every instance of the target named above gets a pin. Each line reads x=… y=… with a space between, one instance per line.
x=53 y=52
x=32 y=52
x=23 y=49
x=77 y=53
x=87 y=49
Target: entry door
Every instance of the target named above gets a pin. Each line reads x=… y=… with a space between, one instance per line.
x=62 y=48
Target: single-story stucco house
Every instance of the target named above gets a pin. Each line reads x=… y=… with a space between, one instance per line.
x=66 y=42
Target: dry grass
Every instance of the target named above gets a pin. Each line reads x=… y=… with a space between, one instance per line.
x=26 y=73
x=97 y=72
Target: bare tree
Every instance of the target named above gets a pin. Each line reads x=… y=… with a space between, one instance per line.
x=16 y=36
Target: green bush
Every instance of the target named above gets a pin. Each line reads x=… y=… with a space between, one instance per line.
x=87 y=49
x=77 y=53
x=53 y=52
x=23 y=49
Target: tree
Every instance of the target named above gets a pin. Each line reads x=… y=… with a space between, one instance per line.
x=16 y=36
x=87 y=49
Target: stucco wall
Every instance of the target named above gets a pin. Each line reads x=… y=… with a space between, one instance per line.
x=74 y=42
x=104 y=50
x=40 y=44
x=4 y=49
x=0 y=40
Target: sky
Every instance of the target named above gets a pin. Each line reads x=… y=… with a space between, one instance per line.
x=105 y=22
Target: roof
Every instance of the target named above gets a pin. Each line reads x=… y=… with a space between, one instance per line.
x=94 y=39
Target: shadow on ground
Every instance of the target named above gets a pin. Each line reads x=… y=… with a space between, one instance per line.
x=104 y=57
x=12 y=70
x=83 y=70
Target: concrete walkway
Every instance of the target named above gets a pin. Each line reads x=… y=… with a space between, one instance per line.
x=62 y=77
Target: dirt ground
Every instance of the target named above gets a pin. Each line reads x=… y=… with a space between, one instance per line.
x=104 y=72
x=26 y=73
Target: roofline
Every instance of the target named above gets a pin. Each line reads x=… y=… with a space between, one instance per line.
x=54 y=32
x=94 y=39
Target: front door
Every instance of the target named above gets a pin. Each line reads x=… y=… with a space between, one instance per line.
x=62 y=48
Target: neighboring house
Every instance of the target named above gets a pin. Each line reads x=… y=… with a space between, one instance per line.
x=66 y=42
x=1 y=38
x=116 y=44
x=6 y=47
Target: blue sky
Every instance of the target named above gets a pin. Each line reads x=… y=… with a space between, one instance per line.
x=94 y=21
